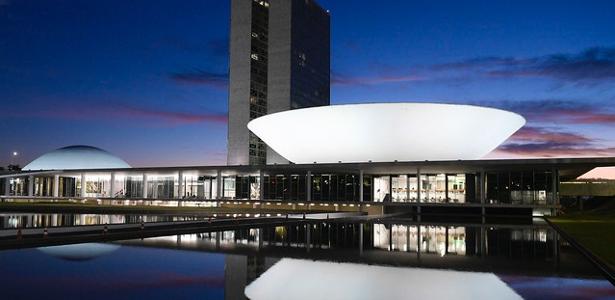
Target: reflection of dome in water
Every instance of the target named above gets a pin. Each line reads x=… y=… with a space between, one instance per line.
x=76 y=157
x=79 y=252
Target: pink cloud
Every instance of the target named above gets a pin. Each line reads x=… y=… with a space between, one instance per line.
x=122 y=112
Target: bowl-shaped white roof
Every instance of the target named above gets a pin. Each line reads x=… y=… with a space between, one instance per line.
x=76 y=157
x=385 y=132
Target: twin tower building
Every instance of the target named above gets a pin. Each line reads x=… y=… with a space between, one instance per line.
x=279 y=60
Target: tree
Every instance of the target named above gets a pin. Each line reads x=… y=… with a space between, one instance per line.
x=13 y=168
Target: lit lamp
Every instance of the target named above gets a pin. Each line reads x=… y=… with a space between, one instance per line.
x=14 y=154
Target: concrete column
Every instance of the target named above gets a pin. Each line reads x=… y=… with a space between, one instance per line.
x=555 y=183
x=56 y=185
x=446 y=240
x=360 y=239
x=30 y=186
x=261 y=185
x=144 y=186
x=482 y=181
x=308 y=186
x=112 y=185
x=390 y=188
x=180 y=188
x=308 y=238
x=361 y=187
x=446 y=198
x=418 y=241
x=219 y=188
x=7 y=186
x=180 y=185
x=261 y=237
x=418 y=185
x=83 y=185
x=483 y=242
x=418 y=193
x=407 y=238
x=408 y=188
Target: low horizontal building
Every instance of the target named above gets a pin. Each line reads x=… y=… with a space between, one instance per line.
x=528 y=184
x=467 y=184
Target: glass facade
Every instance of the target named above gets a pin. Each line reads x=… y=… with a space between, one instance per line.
x=258 y=76
x=535 y=187
x=431 y=188
x=310 y=55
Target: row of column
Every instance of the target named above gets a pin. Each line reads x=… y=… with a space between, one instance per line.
x=480 y=183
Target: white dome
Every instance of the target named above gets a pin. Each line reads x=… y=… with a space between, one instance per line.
x=76 y=157
x=385 y=132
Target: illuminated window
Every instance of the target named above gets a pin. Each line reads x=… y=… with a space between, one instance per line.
x=262 y=2
x=254 y=56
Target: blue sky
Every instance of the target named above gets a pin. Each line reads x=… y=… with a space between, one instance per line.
x=146 y=80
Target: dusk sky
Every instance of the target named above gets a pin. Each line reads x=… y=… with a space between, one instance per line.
x=147 y=80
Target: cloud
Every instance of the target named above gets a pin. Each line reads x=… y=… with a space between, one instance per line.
x=551 y=150
x=561 y=111
x=338 y=79
x=201 y=77
x=170 y=116
x=545 y=142
x=590 y=66
x=115 y=111
x=544 y=135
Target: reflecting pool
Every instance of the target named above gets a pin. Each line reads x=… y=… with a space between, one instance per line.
x=10 y=220
x=379 y=259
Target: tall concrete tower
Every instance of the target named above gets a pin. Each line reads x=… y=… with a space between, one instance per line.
x=279 y=60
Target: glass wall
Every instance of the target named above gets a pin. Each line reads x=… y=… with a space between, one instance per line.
x=43 y=186
x=97 y=185
x=228 y=187
x=523 y=187
x=193 y=187
x=433 y=188
x=161 y=186
x=530 y=187
x=197 y=186
x=133 y=186
x=18 y=186
x=382 y=188
x=414 y=188
x=456 y=185
x=255 y=187
x=333 y=187
x=400 y=188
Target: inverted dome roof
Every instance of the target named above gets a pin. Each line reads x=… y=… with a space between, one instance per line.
x=76 y=157
x=385 y=132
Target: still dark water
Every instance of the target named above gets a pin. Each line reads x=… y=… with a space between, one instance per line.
x=381 y=259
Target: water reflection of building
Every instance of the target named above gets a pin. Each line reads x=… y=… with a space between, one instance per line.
x=241 y=270
x=429 y=239
x=527 y=249
x=356 y=241
x=33 y=220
